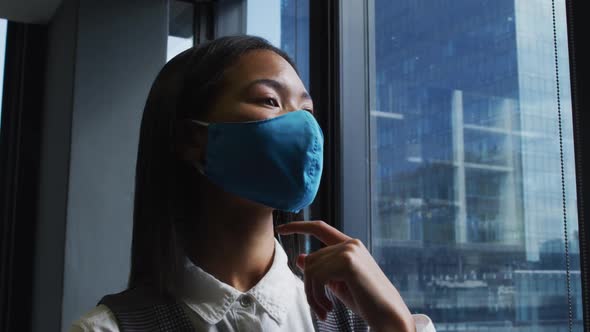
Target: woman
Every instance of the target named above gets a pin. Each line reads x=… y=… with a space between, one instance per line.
x=228 y=149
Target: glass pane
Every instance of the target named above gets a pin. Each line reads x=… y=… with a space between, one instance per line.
x=467 y=111
x=286 y=25
x=180 y=28
x=295 y=34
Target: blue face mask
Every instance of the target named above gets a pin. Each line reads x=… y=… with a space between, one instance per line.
x=276 y=162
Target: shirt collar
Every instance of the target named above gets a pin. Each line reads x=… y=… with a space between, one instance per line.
x=211 y=298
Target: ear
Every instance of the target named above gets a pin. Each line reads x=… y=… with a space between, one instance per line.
x=191 y=142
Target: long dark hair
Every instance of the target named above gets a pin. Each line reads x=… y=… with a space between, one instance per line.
x=185 y=87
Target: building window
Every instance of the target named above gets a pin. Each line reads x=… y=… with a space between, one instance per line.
x=467 y=207
x=295 y=34
x=285 y=24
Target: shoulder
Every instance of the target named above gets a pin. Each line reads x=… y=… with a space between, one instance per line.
x=423 y=323
x=103 y=318
x=100 y=318
x=136 y=298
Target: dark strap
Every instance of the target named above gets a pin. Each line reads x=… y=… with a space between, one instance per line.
x=138 y=309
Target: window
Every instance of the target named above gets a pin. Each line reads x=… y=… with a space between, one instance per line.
x=472 y=178
x=285 y=24
x=180 y=27
x=295 y=34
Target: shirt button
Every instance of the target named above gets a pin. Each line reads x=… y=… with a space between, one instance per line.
x=246 y=300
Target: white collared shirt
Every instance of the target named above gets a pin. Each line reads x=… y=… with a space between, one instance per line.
x=276 y=303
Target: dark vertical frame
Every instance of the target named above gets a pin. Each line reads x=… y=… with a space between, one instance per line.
x=203 y=19
x=339 y=87
x=19 y=168
x=324 y=88
x=581 y=121
x=203 y=22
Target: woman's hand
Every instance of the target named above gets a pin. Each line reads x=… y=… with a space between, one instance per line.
x=348 y=269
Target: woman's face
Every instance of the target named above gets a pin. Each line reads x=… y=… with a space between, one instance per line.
x=260 y=85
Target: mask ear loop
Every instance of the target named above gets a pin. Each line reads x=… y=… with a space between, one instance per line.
x=206 y=124
x=274 y=222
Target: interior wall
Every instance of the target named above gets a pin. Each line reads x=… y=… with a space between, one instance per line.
x=103 y=57
x=54 y=166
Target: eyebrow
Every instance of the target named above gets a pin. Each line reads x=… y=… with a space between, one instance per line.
x=275 y=85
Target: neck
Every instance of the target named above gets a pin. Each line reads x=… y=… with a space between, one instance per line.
x=233 y=240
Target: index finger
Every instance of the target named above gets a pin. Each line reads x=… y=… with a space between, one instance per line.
x=318 y=228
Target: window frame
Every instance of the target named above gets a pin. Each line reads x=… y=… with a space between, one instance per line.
x=576 y=23
x=350 y=201
x=20 y=145
x=354 y=197
x=324 y=89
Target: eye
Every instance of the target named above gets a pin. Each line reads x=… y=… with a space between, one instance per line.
x=271 y=102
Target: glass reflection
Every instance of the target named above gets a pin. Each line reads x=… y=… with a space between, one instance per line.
x=467 y=201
